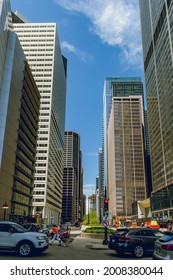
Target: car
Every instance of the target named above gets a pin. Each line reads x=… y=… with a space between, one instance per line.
x=137 y=241
x=164 y=247
x=31 y=227
x=25 y=243
x=48 y=230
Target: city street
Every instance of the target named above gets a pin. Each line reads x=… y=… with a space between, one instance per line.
x=80 y=249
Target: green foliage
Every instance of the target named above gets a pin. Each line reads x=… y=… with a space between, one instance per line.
x=97 y=230
x=93 y=219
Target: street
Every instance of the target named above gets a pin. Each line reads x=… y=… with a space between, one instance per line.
x=79 y=249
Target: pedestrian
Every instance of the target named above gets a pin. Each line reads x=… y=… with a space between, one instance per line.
x=55 y=235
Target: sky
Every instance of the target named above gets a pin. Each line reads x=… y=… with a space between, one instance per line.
x=100 y=39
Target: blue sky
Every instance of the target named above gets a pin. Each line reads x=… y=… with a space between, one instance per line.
x=100 y=38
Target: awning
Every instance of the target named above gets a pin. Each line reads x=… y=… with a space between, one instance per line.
x=145 y=203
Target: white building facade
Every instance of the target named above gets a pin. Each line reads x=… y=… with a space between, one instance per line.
x=42 y=50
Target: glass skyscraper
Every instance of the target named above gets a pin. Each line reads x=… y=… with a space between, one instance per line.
x=157 y=41
x=72 y=179
x=19 y=111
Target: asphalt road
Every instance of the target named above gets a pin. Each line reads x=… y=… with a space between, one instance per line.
x=79 y=249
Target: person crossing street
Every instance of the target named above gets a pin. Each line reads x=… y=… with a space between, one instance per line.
x=55 y=235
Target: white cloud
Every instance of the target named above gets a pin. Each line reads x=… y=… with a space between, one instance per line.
x=116 y=22
x=70 y=48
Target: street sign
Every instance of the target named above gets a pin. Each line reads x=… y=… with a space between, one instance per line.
x=105 y=223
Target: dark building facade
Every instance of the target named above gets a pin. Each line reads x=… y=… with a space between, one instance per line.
x=157 y=41
x=72 y=201
x=23 y=183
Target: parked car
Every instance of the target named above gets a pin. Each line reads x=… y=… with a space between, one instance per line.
x=48 y=230
x=137 y=241
x=31 y=227
x=15 y=237
x=164 y=247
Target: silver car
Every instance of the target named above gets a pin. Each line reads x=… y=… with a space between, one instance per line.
x=164 y=247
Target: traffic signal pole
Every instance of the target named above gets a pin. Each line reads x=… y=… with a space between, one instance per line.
x=105 y=221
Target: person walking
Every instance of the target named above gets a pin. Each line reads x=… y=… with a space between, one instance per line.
x=55 y=235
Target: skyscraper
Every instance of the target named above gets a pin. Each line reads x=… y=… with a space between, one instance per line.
x=157 y=41
x=72 y=209
x=126 y=164
x=114 y=87
x=19 y=110
x=119 y=88
x=42 y=50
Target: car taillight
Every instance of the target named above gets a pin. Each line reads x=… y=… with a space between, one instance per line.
x=124 y=238
x=127 y=238
x=168 y=247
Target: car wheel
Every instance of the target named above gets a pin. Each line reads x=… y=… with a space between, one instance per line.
x=138 y=251
x=25 y=249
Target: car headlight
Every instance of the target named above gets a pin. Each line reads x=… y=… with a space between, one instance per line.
x=40 y=237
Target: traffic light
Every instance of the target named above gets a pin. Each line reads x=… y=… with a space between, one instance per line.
x=106 y=202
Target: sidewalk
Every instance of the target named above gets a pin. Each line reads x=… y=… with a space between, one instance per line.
x=82 y=242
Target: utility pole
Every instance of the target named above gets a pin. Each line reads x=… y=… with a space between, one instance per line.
x=88 y=211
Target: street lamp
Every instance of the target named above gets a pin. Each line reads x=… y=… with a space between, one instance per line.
x=5 y=206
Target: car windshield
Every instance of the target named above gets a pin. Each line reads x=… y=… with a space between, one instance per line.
x=18 y=228
x=166 y=238
x=27 y=226
x=158 y=233
x=134 y=232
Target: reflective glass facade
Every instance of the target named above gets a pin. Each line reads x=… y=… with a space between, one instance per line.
x=23 y=183
x=157 y=39
x=72 y=179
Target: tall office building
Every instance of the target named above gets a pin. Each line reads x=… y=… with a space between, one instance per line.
x=126 y=165
x=157 y=41
x=116 y=87
x=72 y=203
x=42 y=50
x=19 y=110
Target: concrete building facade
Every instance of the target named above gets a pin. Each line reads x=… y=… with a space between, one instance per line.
x=126 y=165
x=119 y=88
x=42 y=49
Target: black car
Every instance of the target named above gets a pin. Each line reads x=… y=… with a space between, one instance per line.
x=138 y=241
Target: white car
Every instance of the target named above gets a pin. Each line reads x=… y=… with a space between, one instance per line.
x=164 y=247
x=15 y=237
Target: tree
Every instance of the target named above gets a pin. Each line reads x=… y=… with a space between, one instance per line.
x=93 y=219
